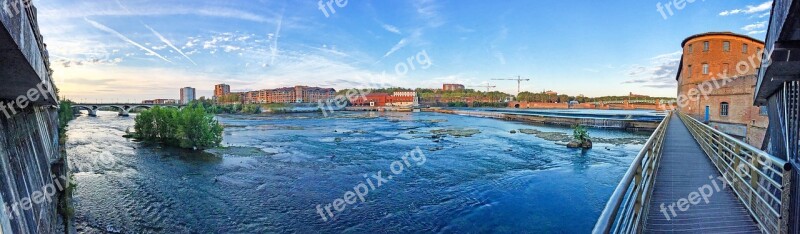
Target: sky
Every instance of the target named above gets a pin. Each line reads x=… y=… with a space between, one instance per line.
x=131 y=50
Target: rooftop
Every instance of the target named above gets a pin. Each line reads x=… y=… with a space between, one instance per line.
x=719 y=34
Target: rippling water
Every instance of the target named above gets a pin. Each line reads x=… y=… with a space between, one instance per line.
x=493 y=181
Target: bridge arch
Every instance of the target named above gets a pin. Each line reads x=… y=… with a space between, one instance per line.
x=91 y=110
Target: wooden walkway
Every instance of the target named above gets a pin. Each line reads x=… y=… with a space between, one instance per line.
x=684 y=169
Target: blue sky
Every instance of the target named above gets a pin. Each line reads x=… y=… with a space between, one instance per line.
x=129 y=50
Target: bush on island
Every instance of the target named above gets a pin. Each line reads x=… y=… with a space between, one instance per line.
x=189 y=128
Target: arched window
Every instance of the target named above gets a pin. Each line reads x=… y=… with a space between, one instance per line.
x=723 y=109
x=705 y=69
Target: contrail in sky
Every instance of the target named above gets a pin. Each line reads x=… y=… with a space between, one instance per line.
x=124 y=38
x=163 y=39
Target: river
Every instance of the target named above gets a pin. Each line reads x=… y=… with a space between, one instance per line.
x=278 y=168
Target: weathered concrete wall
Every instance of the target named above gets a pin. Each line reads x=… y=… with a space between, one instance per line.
x=30 y=156
x=29 y=161
x=23 y=56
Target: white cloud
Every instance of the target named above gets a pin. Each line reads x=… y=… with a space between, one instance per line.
x=660 y=73
x=89 y=10
x=230 y=48
x=749 y=9
x=428 y=12
x=391 y=28
x=751 y=27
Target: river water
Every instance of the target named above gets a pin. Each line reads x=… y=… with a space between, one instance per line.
x=277 y=169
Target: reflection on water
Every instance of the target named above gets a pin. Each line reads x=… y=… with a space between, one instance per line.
x=494 y=181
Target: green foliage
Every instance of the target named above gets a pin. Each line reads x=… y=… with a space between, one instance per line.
x=230 y=98
x=457 y=104
x=490 y=104
x=580 y=133
x=251 y=109
x=192 y=127
x=65 y=114
x=553 y=98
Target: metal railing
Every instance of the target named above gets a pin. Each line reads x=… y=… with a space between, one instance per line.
x=626 y=210
x=760 y=180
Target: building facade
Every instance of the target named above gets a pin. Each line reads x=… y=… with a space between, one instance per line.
x=396 y=99
x=187 y=95
x=372 y=100
x=221 y=90
x=297 y=94
x=716 y=83
x=452 y=87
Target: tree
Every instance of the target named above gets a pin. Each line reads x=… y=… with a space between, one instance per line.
x=191 y=128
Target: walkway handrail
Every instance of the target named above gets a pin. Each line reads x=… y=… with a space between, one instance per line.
x=627 y=208
x=760 y=180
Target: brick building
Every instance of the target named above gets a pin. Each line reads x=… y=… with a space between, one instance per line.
x=725 y=104
x=297 y=94
x=452 y=87
x=372 y=99
x=397 y=99
x=221 y=90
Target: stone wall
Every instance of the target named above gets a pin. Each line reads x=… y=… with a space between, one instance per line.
x=30 y=158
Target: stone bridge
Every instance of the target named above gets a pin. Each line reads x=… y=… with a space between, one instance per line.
x=123 y=108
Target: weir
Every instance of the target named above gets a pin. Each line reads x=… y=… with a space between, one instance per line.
x=627 y=122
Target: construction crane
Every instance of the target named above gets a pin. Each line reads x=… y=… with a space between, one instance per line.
x=485 y=86
x=519 y=82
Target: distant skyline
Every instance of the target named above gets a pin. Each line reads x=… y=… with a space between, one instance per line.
x=145 y=49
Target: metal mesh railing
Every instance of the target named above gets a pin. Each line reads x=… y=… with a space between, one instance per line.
x=626 y=210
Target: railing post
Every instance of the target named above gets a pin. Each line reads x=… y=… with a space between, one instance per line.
x=783 y=221
x=753 y=171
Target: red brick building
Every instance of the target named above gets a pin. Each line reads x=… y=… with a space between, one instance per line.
x=372 y=99
x=297 y=94
x=221 y=90
x=397 y=99
x=704 y=92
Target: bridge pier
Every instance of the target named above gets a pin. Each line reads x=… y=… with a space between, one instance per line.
x=124 y=112
x=93 y=112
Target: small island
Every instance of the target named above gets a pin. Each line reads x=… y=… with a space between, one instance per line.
x=190 y=128
x=580 y=138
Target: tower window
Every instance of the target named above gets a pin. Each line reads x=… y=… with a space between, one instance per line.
x=744 y=48
x=705 y=46
x=726 y=46
x=691 y=49
x=689 y=68
x=705 y=69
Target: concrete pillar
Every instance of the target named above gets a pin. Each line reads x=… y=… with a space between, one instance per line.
x=124 y=112
x=93 y=111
